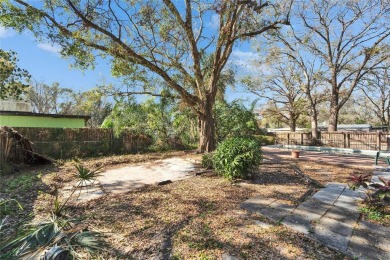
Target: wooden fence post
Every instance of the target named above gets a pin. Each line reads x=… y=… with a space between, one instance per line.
x=288 y=138
x=378 y=141
x=301 y=138
x=348 y=140
x=345 y=140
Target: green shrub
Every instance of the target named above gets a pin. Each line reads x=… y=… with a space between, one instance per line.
x=236 y=157
x=207 y=161
x=265 y=139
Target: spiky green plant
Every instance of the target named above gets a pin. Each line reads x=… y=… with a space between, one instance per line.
x=86 y=176
x=59 y=234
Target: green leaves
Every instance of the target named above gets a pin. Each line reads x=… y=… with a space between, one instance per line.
x=235 y=119
x=13 y=80
x=56 y=235
x=377 y=195
x=236 y=157
x=86 y=176
x=59 y=235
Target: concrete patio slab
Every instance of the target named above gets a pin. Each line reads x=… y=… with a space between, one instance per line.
x=128 y=178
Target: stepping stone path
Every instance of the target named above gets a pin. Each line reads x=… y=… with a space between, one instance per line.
x=331 y=216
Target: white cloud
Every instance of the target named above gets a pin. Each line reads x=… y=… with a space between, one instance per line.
x=53 y=48
x=6 y=33
x=214 y=22
x=247 y=61
x=244 y=59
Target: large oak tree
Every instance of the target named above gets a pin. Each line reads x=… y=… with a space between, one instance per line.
x=348 y=37
x=281 y=87
x=166 y=39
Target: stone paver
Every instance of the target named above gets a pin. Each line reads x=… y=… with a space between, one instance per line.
x=228 y=257
x=276 y=211
x=331 y=216
x=262 y=224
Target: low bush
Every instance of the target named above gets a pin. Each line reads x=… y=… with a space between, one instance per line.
x=207 y=160
x=236 y=157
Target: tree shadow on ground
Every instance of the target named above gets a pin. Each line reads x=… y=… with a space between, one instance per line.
x=197 y=217
x=27 y=188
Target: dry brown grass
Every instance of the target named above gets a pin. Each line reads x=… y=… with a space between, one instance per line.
x=196 y=218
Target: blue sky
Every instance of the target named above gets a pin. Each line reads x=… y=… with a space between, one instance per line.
x=44 y=63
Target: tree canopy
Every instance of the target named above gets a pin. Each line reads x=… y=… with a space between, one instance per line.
x=13 y=80
x=147 y=39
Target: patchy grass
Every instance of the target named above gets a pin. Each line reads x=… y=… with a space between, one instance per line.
x=24 y=187
x=196 y=218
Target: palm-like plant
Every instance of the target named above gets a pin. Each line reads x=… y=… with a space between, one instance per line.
x=55 y=237
x=58 y=237
x=85 y=176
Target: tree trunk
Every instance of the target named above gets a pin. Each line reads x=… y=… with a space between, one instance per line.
x=206 y=134
x=333 y=118
x=206 y=131
x=293 y=124
x=314 y=126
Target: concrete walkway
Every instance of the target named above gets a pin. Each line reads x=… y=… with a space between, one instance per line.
x=331 y=216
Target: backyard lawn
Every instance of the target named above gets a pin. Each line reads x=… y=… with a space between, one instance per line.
x=195 y=218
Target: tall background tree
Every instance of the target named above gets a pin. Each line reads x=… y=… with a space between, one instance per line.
x=376 y=90
x=47 y=99
x=165 y=39
x=284 y=49
x=280 y=85
x=54 y=99
x=349 y=37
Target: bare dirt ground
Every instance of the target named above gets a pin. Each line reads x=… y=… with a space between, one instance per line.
x=195 y=218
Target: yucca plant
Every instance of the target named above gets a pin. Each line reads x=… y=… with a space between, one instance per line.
x=58 y=237
x=85 y=176
x=55 y=237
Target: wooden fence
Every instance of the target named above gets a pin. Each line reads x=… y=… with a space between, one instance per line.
x=355 y=140
x=64 y=143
